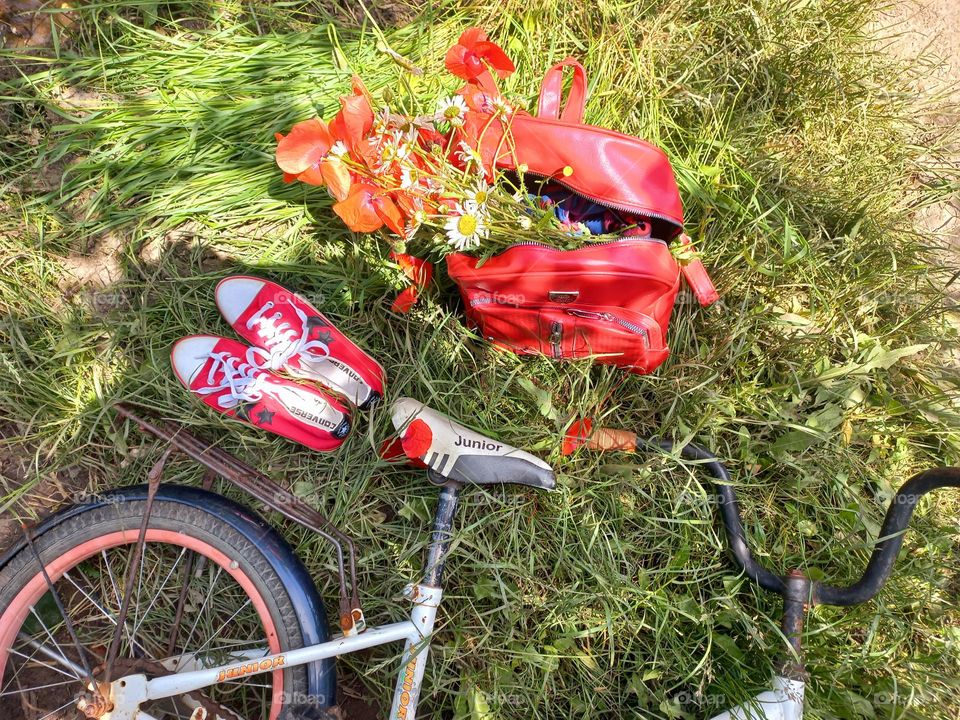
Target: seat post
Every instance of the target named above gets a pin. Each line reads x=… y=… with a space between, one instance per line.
x=442 y=533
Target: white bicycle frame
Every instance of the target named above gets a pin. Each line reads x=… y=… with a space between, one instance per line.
x=783 y=702
x=129 y=692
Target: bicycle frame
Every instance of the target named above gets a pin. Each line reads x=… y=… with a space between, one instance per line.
x=129 y=692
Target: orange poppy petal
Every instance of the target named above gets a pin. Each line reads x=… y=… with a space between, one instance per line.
x=405 y=301
x=337 y=175
x=312 y=176
x=471 y=36
x=418 y=270
x=307 y=142
x=463 y=62
x=357 y=210
x=494 y=55
x=389 y=213
x=353 y=121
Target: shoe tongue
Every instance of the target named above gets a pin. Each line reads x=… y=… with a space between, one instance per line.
x=337 y=374
x=307 y=407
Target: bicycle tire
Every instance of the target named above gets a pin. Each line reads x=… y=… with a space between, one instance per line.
x=172 y=524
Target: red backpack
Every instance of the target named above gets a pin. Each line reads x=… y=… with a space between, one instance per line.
x=611 y=300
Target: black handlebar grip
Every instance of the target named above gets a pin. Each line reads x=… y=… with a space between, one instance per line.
x=891 y=539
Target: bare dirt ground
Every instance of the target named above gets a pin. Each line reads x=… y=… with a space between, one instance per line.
x=931 y=29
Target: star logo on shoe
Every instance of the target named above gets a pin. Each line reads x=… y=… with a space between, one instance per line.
x=243 y=410
x=265 y=417
x=325 y=336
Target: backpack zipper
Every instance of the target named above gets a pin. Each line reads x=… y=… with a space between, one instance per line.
x=534 y=243
x=556 y=337
x=610 y=317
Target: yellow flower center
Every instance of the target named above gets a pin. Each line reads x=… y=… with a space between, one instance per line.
x=467 y=225
x=480 y=197
x=451 y=112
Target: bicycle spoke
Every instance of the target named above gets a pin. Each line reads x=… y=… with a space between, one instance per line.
x=210 y=589
x=106 y=613
x=33 y=659
x=38 y=687
x=158 y=591
x=39 y=647
x=50 y=714
x=113 y=580
x=215 y=635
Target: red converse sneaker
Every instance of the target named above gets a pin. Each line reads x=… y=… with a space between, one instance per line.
x=292 y=336
x=215 y=369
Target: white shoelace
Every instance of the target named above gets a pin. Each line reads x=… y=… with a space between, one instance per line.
x=282 y=341
x=242 y=379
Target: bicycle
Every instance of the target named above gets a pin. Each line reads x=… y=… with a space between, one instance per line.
x=272 y=654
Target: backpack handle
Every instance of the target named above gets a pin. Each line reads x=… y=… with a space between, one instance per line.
x=551 y=91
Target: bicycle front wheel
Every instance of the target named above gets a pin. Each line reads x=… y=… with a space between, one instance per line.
x=203 y=596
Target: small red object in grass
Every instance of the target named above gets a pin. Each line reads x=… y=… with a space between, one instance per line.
x=419 y=272
x=576 y=436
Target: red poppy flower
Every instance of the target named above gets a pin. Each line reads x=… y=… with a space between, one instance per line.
x=355 y=118
x=367 y=208
x=429 y=138
x=303 y=148
x=419 y=272
x=474 y=54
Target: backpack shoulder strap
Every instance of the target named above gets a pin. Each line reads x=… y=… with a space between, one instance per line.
x=551 y=91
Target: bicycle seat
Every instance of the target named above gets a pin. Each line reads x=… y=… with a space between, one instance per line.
x=457 y=453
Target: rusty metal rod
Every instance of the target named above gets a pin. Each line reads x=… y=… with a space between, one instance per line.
x=263 y=489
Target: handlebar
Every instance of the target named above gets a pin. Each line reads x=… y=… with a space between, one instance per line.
x=881 y=560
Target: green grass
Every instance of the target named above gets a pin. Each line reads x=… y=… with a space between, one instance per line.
x=824 y=378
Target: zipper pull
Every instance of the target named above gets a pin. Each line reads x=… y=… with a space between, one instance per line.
x=556 y=337
x=590 y=315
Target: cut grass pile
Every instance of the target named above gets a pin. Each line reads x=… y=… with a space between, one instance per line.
x=139 y=149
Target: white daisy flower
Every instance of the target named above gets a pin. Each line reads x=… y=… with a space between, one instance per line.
x=467 y=154
x=466 y=227
x=479 y=193
x=339 y=150
x=408 y=177
x=502 y=107
x=525 y=222
x=453 y=110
